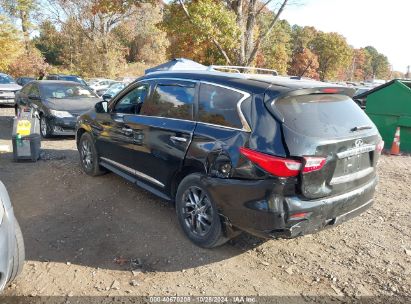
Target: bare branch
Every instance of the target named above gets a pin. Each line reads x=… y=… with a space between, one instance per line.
x=265 y=34
x=263 y=6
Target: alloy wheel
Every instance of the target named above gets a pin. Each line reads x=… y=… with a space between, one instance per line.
x=197 y=211
x=86 y=154
x=43 y=126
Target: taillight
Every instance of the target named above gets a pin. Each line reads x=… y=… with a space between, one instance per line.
x=281 y=167
x=330 y=90
x=380 y=146
x=313 y=164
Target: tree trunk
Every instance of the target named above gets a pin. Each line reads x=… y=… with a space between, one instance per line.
x=24 y=29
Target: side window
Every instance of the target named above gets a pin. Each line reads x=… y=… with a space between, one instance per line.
x=26 y=89
x=171 y=101
x=218 y=106
x=34 y=90
x=132 y=101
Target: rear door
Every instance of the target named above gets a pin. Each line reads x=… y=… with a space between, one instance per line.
x=162 y=131
x=332 y=127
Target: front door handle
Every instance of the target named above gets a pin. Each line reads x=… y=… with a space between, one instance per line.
x=178 y=139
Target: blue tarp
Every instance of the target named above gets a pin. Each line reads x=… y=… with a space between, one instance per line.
x=178 y=64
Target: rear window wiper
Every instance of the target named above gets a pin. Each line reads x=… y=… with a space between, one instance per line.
x=360 y=128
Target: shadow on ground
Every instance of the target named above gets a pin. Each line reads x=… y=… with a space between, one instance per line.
x=67 y=216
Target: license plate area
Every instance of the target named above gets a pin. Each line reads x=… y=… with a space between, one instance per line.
x=353 y=167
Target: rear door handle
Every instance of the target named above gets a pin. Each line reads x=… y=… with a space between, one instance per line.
x=178 y=139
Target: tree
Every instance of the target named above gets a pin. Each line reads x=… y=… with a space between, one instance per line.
x=95 y=20
x=22 y=10
x=192 y=37
x=378 y=67
x=28 y=64
x=247 y=13
x=276 y=50
x=142 y=38
x=302 y=37
x=333 y=53
x=10 y=43
x=304 y=63
x=50 y=43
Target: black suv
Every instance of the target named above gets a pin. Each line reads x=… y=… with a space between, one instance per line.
x=269 y=155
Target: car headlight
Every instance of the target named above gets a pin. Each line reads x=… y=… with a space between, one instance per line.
x=60 y=114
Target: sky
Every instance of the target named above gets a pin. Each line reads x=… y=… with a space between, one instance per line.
x=380 y=23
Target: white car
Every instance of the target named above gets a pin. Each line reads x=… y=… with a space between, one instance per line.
x=101 y=85
x=11 y=242
x=8 y=88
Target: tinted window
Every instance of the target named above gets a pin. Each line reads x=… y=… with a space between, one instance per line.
x=132 y=101
x=26 y=89
x=218 y=106
x=34 y=91
x=172 y=101
x=322 y=115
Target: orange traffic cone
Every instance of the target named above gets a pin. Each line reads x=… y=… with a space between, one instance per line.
x=395 y=148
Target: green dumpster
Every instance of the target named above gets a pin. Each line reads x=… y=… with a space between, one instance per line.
x=389 y=107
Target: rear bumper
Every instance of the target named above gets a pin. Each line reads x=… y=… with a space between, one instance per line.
x=260 y=208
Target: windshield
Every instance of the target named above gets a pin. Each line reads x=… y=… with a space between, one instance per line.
x=66 y=90
x=6 y=79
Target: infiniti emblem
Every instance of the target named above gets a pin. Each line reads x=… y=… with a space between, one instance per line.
x=359 y=143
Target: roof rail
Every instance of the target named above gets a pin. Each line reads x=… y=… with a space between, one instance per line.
x=238 y=69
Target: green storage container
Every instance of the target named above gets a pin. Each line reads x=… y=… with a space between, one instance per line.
x=389 y=107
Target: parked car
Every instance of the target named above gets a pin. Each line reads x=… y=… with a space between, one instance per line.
x=58 y=103
x=102 y=91
x=361 y=101
x=66 y=78
x=101 y=85
x=11 y=241
x=269 y=155
x=8 y=89
x=113 y=90
x=127 y=79
x=24 y=80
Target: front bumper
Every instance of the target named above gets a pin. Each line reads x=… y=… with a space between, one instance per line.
x=7 y=240
x=261 y=208
x=7 y=101
x=63 y=126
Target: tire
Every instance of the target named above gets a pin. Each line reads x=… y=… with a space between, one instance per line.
x=88 y=156
x=45 y=129
x=18 y=256
x=200 y=221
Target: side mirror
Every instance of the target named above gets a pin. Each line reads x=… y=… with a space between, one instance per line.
x=34 y=97
x=107 y=97
x=101 y=107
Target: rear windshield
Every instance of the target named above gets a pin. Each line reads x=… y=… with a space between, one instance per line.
x=322 y=115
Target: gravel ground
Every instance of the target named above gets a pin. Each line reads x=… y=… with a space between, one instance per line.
x=102 y=236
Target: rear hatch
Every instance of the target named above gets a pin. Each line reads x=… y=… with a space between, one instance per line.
x=333 y=128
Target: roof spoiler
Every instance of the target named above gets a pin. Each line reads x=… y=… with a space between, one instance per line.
x=350 y=92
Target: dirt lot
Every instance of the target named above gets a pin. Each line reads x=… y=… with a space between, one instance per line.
x=81 y=232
